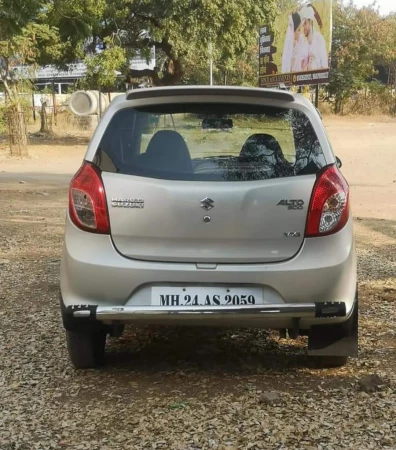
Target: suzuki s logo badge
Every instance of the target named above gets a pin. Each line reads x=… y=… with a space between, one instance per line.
x=207 y=203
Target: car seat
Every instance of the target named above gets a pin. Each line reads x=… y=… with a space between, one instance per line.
x=264 y=150
x=167 y=151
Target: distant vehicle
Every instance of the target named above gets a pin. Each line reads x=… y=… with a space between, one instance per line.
x=211 y=206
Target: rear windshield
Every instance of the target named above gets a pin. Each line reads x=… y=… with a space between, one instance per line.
x=210 y=142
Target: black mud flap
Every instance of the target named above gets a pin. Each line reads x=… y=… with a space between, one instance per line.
x=80 y=324
x=336 y=340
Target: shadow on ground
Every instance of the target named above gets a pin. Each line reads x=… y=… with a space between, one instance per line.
x=385 y=227
x=205 y=351
x=38 y=139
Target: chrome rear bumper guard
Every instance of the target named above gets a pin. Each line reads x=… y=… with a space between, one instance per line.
x=284 y=310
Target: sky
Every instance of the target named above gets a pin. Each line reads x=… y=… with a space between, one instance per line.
x=385 y=6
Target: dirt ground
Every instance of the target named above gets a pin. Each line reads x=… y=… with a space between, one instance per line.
x=181 y=388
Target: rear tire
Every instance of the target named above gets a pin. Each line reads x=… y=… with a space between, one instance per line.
x=86 y=349
x=329 y=362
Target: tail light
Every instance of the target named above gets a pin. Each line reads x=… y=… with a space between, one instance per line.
x=87 y=201
x=329 y=207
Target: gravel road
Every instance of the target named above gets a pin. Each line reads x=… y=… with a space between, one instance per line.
x=179 y=389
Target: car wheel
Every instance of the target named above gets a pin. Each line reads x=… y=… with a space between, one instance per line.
x=328 y=362
x=86 y=349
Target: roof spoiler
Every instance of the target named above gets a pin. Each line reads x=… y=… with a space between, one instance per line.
x=270 y=94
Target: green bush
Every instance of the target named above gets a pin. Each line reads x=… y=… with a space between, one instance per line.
x=374 y=98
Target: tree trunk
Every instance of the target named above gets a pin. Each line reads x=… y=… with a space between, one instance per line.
x=172 y=72
x=17 y=130
x=338 y=106
x=44 y=128
x=16 y=121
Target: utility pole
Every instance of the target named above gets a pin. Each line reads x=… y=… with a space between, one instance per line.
x=210 y=64
x=100 y=101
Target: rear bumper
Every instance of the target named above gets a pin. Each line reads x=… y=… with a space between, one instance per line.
x=135 y=313
x=118 y=289
x=77 y=317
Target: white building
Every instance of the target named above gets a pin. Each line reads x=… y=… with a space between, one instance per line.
x=61 y=79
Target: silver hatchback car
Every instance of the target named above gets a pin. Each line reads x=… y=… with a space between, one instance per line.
x=213 y=206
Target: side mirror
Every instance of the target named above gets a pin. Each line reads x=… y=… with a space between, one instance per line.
x=339 y=162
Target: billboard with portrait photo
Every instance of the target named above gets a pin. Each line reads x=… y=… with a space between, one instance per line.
x=295 y=49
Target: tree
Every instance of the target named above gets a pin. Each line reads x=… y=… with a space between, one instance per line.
x=179 y=30
x=80 y=24
x=387 y=57
x=23 y=40
x=103 y=68
x=240 y=69
x=357 y=40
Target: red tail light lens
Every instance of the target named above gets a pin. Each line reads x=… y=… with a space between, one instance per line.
x=87 y=201
x=329 y=207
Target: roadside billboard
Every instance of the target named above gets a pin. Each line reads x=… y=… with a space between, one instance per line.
x=295 y=49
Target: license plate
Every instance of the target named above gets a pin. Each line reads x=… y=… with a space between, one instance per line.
x=203 y=296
